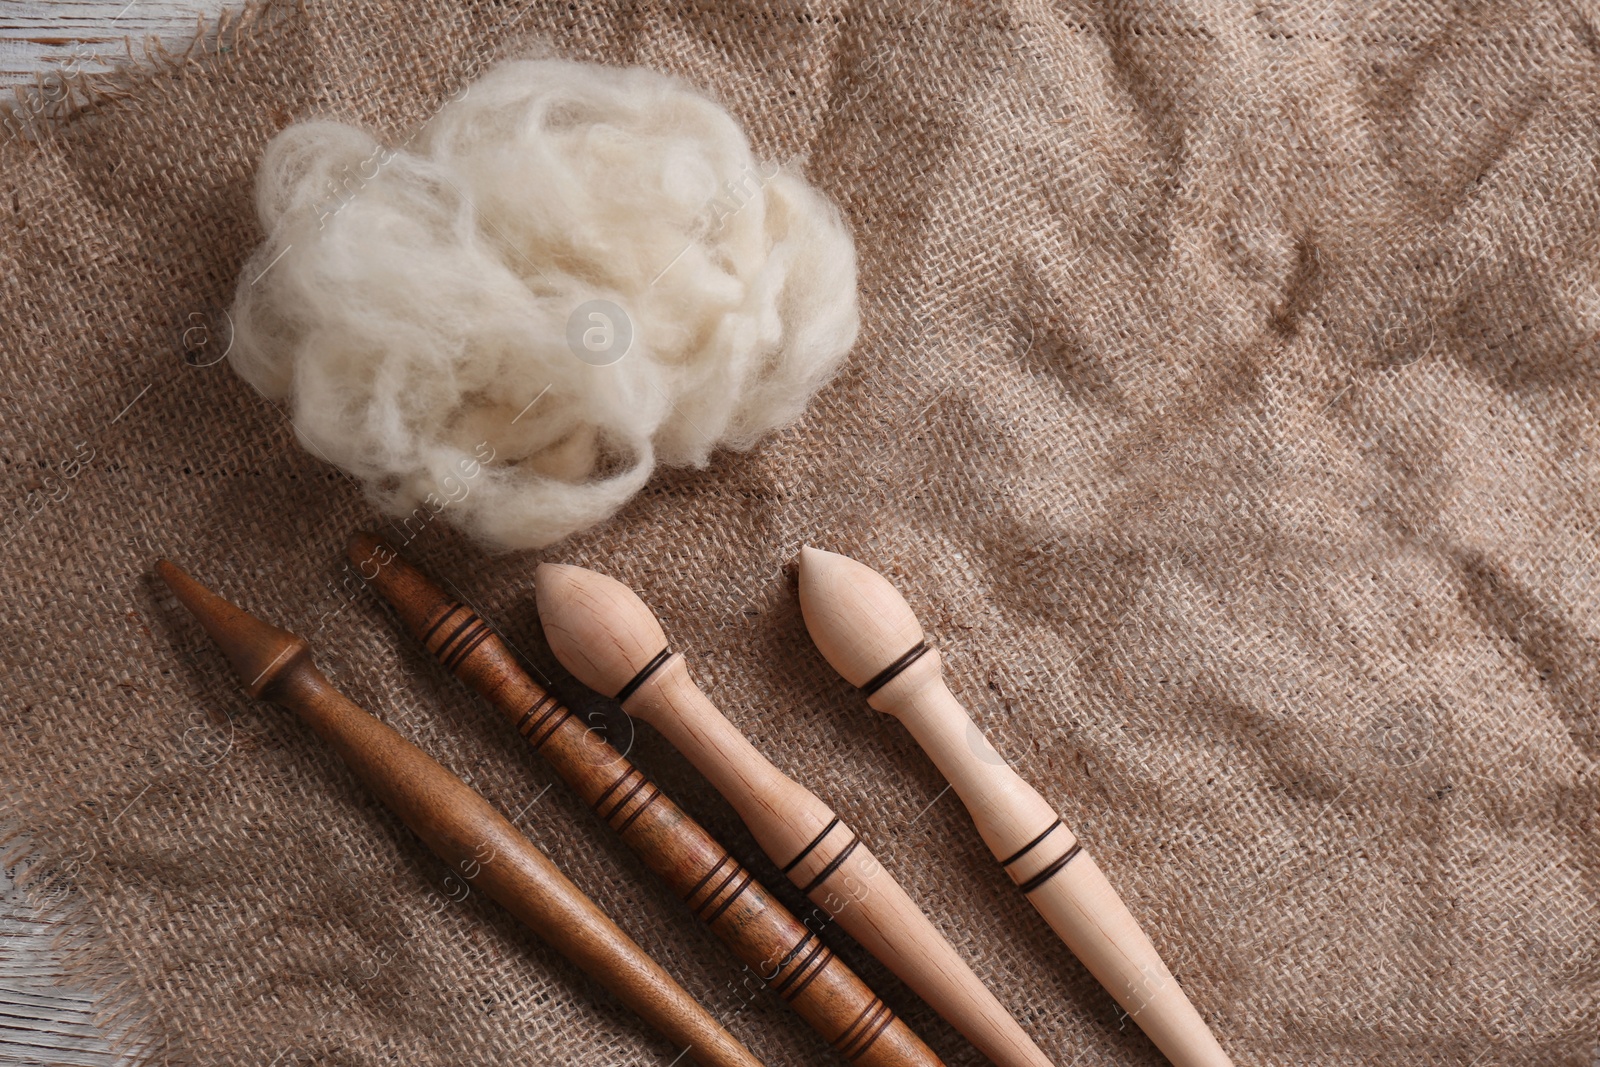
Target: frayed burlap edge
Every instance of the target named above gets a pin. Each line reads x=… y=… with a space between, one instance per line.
x=64 y=94
x=58 y=99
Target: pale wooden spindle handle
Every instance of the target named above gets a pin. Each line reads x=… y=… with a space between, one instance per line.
x=868 y=632
x=1047 y=862
x=829 y=863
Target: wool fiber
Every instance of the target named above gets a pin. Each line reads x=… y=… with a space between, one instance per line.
x=569 y=274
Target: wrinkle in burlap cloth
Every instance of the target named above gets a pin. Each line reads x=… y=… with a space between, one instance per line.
x=1227 y=406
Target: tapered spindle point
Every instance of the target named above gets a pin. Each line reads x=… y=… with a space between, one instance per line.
x=596 y=626
x=259 y=652
x=367 y=550
x=417 y=601
x=860 y=623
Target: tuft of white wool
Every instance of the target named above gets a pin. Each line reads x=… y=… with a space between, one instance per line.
x=414 y=305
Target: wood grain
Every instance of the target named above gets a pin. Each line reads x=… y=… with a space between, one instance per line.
x=45 y=1018
x=459 y=825
x=37 y=36
x=866 y=630
x=788 y=955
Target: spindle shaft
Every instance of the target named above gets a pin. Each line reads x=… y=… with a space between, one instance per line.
x=865 y=628
x=608 y=638
x=788 y=955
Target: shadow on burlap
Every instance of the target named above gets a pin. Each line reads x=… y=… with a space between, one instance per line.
x=1227 y=406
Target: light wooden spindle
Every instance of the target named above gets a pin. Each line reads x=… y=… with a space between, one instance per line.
x=606 y=636
x=865 y=628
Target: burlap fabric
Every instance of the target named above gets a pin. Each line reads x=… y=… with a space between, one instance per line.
x=1226 y=406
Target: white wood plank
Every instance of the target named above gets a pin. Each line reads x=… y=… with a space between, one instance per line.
x=89 y=35
x=45 y=1019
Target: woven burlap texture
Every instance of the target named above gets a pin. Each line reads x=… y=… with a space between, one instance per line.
x=1226 y=406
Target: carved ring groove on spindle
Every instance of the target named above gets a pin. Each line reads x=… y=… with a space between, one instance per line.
x=788 y=957
x=1025 y=849
x=656 y=663
x=600 y=800
x=468 y=646
x=538 y=730
x=701 y=884
x=541 y=704
x=427 y=635
x=892 y=671
x=439 y=650
x=702 y=910
x=470 y=632
x=1051 y=870
x=622 y=801
x=810 y=964
x=655 y=794
x=874 y=1021
x=829 y=868
x=744 y=883
x=862 y=1021
x=815 y=841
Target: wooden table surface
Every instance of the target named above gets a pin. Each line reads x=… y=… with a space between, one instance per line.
x=45 y=1018
x=38 y=34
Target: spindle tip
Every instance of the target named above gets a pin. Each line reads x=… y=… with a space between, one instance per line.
x=415 y=599
x=860 y=623
x=259 y=652
x=597 y=627
x=367 y=551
